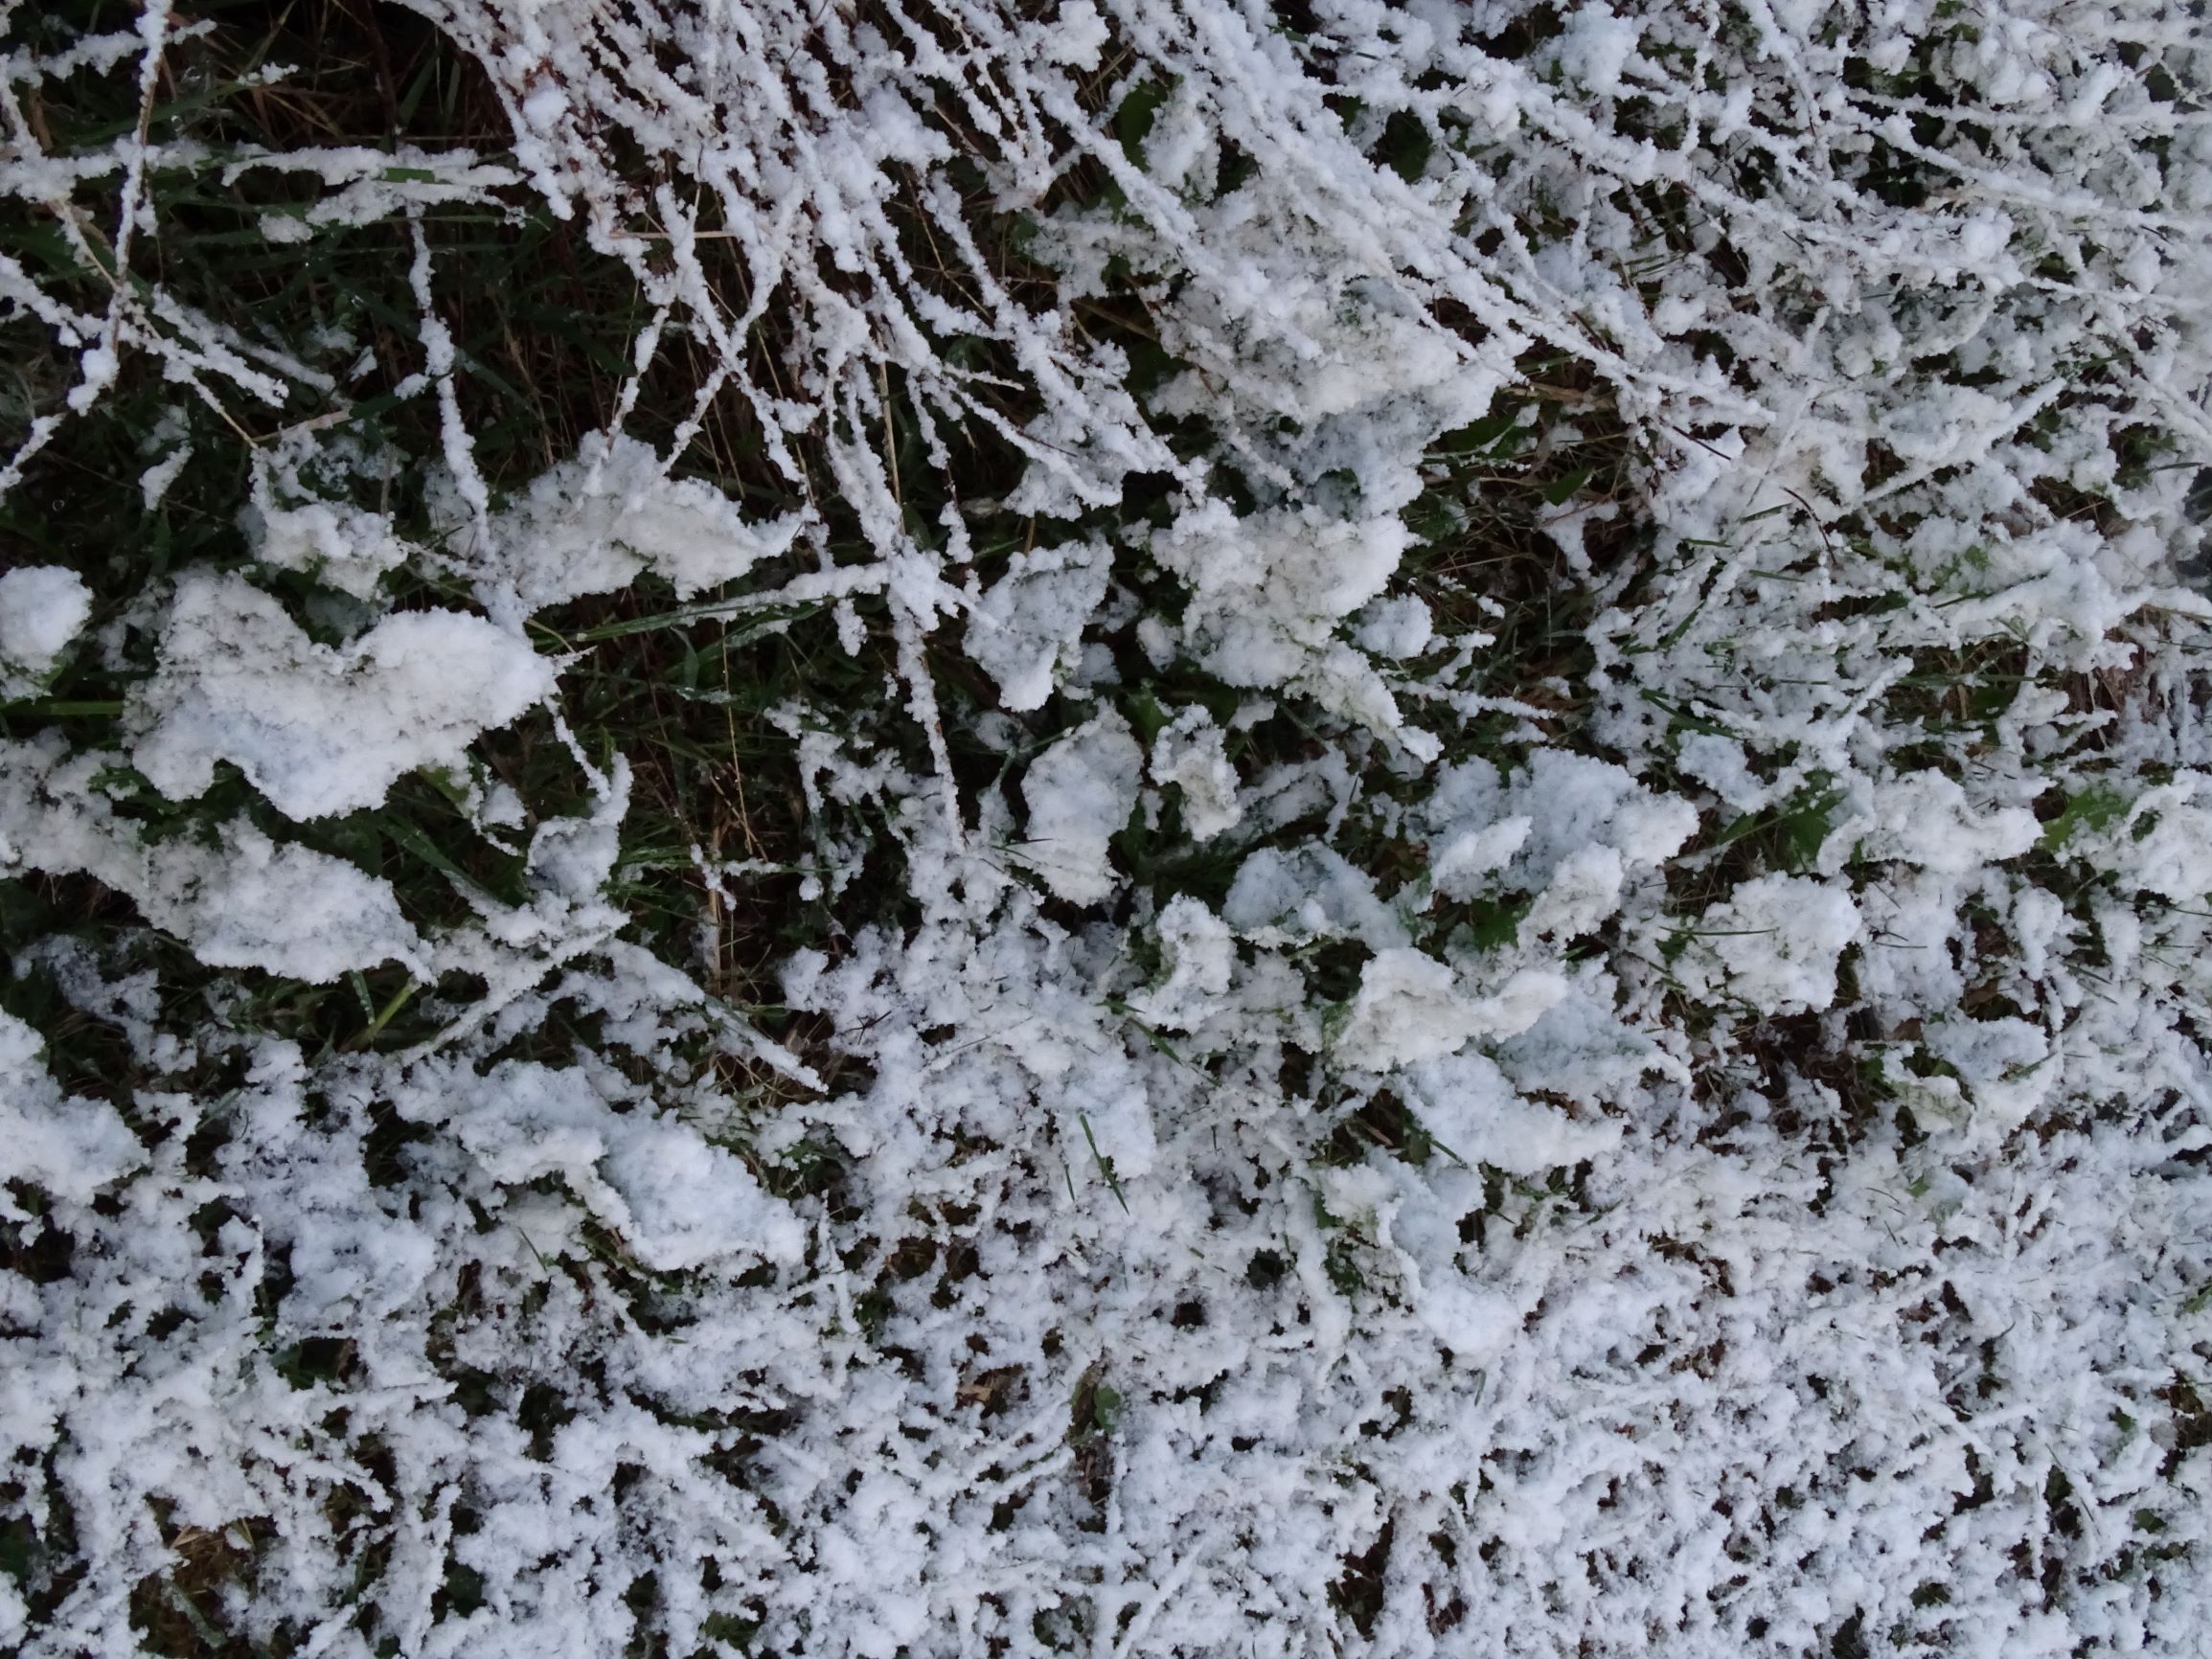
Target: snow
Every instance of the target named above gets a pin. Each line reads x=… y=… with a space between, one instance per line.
x=1927 y=820
x=1473 y=1109
x=1777 y=941
x=42 y=608
x=1309 y=890
x=1410 y=1010
x=348 y=547
x=289 y=910
x=70 y=1147
x=678 y=1200
x=1199 y=957
x=593 y=524
x=1079 y=793
x=1509 y=958
x=1026 y=630
x=238 y=900
x=1396 y=627
x=321 y=730
x=1192 y=753
x=1407 y=1009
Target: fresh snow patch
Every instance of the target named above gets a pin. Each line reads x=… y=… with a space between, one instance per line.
x=593 y=524
x=349 y=548
x=676 y=1198
x=241 y=901
x=42 y=608
x=1409 y=1008
x=319 y=729
x=1079 y=793
x=1190 y=752
x=1927 y=819
x=1199 y=957
x=71 y=1147
x=1469 y=1105
x=1777 y=941
x=1026 y=632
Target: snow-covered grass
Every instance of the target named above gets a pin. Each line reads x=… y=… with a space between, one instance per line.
x=1113 y=828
